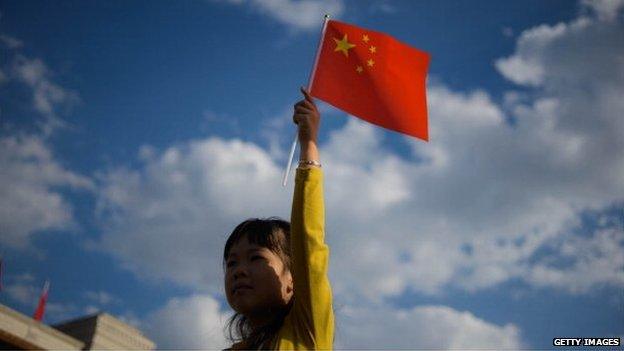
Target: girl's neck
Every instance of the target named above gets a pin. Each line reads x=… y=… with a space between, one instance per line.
x=260 y=319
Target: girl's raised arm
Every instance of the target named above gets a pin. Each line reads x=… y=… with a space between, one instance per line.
x=311 y=315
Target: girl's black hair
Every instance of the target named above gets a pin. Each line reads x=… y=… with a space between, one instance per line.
x=274 y=234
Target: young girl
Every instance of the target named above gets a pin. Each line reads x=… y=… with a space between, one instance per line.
x=276 y=272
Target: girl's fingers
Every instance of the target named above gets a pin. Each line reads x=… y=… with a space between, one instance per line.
x=298 y=117
x=307 y=104
x=302 y=109
x=304 y=102
x=307 y=95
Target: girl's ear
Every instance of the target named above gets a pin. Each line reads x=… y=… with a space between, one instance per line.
x=290 y=286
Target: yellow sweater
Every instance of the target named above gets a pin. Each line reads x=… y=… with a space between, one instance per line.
x=310 y=323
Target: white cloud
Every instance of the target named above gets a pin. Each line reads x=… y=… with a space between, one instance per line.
x=558 y=55
x=520 y=70
x=101 y=297
x=606 y=10
x=192 y=322
x=212 y=118
x=422 y=327
x=300 y=15
x=21 y=293
x=11 y=42
x=30 y=183
x=91 y=309
x=561 y=156
x=597 y=260
x=47 y=97
x=508 y=32
x=383 y=7
x=525 y=67
x=33 y=179
x=171 y=218
x=22 y=289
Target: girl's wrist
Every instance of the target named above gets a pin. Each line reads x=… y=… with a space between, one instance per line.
x=309 y=164
x=307 y=143
x=309 y=152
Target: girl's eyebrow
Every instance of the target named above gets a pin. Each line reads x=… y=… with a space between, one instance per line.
x=253 y=249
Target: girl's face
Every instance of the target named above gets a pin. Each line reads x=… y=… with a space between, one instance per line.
x=256 y=279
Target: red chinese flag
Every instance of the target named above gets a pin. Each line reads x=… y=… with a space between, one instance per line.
x=38 y=316
x=374 y=77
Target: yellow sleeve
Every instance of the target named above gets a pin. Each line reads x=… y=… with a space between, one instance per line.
x=310 y=323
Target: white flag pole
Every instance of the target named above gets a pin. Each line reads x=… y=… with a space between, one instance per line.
x=294 y=144
x=290 y=158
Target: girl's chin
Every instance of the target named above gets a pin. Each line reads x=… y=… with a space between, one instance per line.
x=244 y=305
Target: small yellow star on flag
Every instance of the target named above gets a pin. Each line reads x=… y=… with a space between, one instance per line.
x=372 y=49
x=365 y=38
x=359 y=69
x=343 y=45
x=370 y=63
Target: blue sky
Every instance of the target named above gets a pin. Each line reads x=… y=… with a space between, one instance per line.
x=135 y=136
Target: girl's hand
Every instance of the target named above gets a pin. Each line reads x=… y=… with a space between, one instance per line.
x=307 y=118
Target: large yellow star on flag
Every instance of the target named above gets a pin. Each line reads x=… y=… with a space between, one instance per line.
x=343 y=45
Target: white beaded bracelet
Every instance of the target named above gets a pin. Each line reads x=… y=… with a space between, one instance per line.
x=310 y=163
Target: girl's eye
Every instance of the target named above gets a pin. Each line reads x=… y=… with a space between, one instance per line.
x=230 y=264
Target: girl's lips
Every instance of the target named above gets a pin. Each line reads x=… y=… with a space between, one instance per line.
x=242 y=288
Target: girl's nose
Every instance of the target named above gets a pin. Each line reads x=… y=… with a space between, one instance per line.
x=240 y=271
